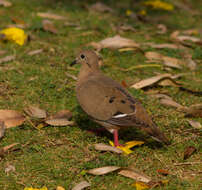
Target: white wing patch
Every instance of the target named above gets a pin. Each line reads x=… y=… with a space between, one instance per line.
x=120 y=115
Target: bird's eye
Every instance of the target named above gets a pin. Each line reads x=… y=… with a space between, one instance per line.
x=82 y=56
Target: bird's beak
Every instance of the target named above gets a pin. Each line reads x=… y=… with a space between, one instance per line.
x=73 y=63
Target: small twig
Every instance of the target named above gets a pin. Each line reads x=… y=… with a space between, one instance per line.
x=186 y=163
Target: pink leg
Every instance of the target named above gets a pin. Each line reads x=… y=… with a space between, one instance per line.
x=116 y=138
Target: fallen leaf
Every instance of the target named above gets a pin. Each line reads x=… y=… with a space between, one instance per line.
x=150 y=81
x=59 y=122
x=62 y=114
x=195 y=124
x=11 y=118
x=191 y=32
x=135 y=175
x=104 y=147
x=5 y=149
x=168 y=82
x=60 y=188
x=100 y=7
x=5 y=3
x=126 y=27
x=171 y=103
x=9 y=168
x=190 y=38
x=194 y=111
x=48 y=26
x=71 y=76
x=2 y=129
x=36 y=112
x=194 y=92
x=51 y=16
x=163 y=172
x=116 y=42
x=140 y=185
x=126 y=148
x=160 y=96
x=162 y=29
x=35 y=52
x=103 y=170
x=7 y=59
x=16 y=35
x=81 y=185
x=168 y=61
x=189 y=151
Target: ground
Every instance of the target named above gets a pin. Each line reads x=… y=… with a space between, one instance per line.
x=56 y=156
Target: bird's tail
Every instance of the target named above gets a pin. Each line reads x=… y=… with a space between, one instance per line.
x=157 y=134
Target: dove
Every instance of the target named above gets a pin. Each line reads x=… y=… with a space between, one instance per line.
x=108 y=103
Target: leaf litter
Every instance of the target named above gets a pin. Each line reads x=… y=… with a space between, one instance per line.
x=51 y=16
x=81 y=185
x=49 y=26
x=188 y=152
x=100 y=7
x=7 y=59
x=116 y=42
x=11 y=118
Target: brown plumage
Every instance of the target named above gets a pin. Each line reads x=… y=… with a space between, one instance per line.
x=108 y=103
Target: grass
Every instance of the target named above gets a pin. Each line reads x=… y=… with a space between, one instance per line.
x=57 y=155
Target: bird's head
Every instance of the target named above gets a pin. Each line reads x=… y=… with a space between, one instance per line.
x=87 y=59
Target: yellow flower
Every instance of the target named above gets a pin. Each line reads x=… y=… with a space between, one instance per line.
x=30 y=188
x=157 y=4
x=140 y=185
x=128 y=12
x=142 y=12
x=16 y=35
x=128 y=146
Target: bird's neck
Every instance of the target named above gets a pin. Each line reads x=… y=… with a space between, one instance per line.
x=85 y=72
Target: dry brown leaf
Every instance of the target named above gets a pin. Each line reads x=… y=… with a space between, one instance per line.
x=59 y=122
x=162 y=29
x=36 y=112
x=101 y=7
x=5 y=3
x=151 y=81
x=192 y=112
x=160 y=96
x=115 y=42
x=104 y=147
x=168 y=82
x=9 y=168
x=35 y=52
x=11 y=118
x=195 y=124
x=190 y=38
x=62 y=114
x=49 y=26
x=5 y=149
x=71 y=76
x=191 y=32
x=103 y=170
x=51 y=16
x=81 y=185
x=2 y=129
x=7 y=59
x=135 y=175
x=189 y=151
x=171 y=103
x=168 y=61
x=126 y=27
